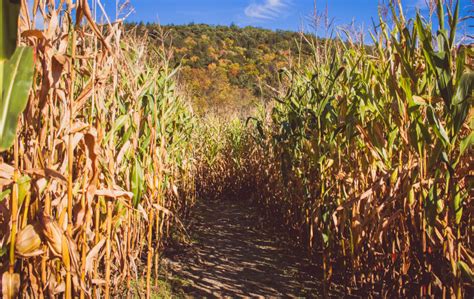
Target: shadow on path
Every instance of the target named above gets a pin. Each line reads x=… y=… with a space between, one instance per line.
x=233 y=256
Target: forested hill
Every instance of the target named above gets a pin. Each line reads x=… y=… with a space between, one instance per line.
x=227 y=68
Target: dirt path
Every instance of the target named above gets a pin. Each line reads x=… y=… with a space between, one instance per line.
x=233 y=256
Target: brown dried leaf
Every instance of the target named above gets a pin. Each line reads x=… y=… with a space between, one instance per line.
x=47 y=173
x=53 y=25
x=114 y=193
x=162 y=209
x=92 y=255
x=58 y=67
x=6 y=171
x=83 y=10
x=34 y=33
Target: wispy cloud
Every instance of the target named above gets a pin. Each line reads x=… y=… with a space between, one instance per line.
x=266 y=9
x=418 y=4
x=421 y=4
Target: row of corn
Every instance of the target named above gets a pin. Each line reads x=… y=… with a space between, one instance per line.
x=367 y=158
x=101 y=165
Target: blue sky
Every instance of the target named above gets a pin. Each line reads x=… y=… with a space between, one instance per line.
x=272 y=14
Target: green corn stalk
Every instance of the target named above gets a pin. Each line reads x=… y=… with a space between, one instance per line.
x=395 y=113
x=16 y=74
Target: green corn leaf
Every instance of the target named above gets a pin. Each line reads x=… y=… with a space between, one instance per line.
x=17 y=81
x=444 y=79
x=119 y=123
x=466 y=271
x=3 y=250
x=438 y=127
x=462 y=100
x=440 y=13
x=460 y=60
x=325 y=237
x=457 y=204
x=453 y=24
x=4 y=194
x=466 y=143
x=9 y=12
x=137 y=182
x=425 y=38
x=24 y=184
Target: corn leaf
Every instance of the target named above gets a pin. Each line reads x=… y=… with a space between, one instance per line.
x=466 y=271
x=17 y=81
x=462 y=100
x=466 y=143
x=438 y=127
x=9 y=12
x=137 y=182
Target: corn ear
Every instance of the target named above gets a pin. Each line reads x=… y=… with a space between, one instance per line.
x=53 y=234
x=28 y=242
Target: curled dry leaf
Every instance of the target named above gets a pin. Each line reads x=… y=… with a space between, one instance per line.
x=142 y=212
x=162 y=209
x=175 y=190
x=92 y=255
x=33 y=33
x=114 y=193
x=6 y=171
x=47 y=173
x=83 y=10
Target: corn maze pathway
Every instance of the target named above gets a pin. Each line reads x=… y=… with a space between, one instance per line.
x=233 y=255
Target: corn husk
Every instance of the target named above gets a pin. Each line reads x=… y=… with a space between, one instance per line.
x=53 y=234
x=10 y=285
x=28 y=242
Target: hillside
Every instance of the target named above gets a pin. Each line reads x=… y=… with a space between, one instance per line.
x=227 y=68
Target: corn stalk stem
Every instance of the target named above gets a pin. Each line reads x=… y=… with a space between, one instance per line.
x=150 y=253
x=14 y=209
x=70 y=137
x=108 y=248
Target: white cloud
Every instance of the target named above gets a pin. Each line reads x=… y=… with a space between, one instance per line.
x=421 y=4
x=417 y=4
x=266 y=10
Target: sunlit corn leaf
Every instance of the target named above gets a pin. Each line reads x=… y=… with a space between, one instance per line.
x=24 y=184
x=466 y=271
x=4 y=194
x=466 y=143
x=438 y=127
x=17 y=80
x=137 y=182
x=457 y=204
x=463 y=100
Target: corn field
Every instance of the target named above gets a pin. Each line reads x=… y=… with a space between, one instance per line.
x=365 y=155
x=103 y=142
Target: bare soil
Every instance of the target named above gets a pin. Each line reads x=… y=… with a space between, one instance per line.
x=234 y=255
